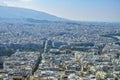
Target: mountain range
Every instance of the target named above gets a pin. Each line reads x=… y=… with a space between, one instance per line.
x=14 y=13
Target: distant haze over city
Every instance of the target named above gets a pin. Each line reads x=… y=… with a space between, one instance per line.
x=79 y=10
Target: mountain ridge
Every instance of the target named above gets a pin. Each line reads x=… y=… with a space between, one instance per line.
x=23 y=13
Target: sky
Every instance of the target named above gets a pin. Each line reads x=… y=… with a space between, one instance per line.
x=80 y=10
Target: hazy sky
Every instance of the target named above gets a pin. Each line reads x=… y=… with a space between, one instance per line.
x=82 y=10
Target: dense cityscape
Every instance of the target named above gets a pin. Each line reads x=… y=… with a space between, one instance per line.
x=59 y=51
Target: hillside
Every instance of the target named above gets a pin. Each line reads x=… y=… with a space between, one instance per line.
x=13 y=13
